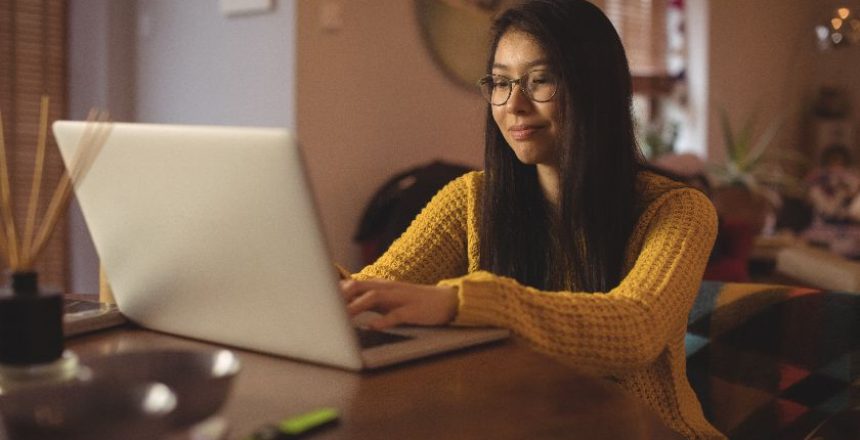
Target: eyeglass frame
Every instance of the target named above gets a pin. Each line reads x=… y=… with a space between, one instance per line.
x=519 y=82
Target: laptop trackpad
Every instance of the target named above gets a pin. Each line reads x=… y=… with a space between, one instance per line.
x=371 y=338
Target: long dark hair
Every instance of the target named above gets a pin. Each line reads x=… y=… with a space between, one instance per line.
x=583 y=244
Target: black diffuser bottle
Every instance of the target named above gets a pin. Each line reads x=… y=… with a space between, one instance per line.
x=31 y=336
x=31 y=319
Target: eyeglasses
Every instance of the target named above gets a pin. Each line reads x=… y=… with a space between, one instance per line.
x=538 y=85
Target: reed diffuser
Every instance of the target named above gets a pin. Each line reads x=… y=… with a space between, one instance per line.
x=31 y=326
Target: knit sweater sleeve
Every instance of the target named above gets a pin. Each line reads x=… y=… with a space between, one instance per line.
x=433 y=247
x=611 y=332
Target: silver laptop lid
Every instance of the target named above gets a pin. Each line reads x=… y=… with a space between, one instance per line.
x=212 y=233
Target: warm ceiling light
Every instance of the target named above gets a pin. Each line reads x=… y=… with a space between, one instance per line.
x=843 y=13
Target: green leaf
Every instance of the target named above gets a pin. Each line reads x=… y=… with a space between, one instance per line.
x=728 y=136
x=762 y=144
x=745 y=136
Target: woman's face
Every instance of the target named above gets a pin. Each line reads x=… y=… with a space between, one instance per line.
x=531 y=128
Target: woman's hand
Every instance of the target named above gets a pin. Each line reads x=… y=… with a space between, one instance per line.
x=400 y=303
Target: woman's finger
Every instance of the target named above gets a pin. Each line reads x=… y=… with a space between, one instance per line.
x=376 y=300
x=401 y=302
x=350 y=289
x=388 y=320
x=361 y=303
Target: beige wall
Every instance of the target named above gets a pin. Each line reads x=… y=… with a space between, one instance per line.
x=372 y=103
x=763 y=58
x=758 y=63
x=840 y=68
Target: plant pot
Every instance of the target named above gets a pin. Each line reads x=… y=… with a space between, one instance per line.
x=737 y=204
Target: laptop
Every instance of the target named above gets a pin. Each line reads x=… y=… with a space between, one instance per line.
x=212 y=233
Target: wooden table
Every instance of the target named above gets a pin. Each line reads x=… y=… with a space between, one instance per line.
x=501 y=391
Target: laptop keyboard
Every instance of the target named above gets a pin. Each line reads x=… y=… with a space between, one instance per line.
x=371 y=338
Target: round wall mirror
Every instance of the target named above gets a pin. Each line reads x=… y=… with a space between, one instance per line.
x=456 y=33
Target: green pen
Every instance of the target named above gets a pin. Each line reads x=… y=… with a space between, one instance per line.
x=297 y=426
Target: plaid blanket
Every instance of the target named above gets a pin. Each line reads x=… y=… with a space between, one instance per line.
x=773 y=361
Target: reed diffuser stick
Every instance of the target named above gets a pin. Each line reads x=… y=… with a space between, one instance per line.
x=21 y=254
x=86 y=153
x=6 y=201
x=86 y=139
x=95 y=135
x=4 y=243
x=38 y=170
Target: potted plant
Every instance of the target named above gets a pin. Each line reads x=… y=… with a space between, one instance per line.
x=750 y=183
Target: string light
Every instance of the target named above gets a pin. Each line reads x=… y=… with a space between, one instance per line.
x=840 y=29
x=836 y=23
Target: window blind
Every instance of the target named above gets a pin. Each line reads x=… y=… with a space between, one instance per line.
x=32 y=64
x=642 y=27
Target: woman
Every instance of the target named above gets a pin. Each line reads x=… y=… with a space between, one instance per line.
x=564 y=238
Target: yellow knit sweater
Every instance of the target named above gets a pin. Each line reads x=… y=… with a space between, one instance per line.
x=633 y=334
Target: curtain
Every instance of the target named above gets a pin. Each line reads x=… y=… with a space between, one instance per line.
x=32 y=64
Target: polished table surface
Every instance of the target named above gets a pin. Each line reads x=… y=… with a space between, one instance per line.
x=500 y=391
